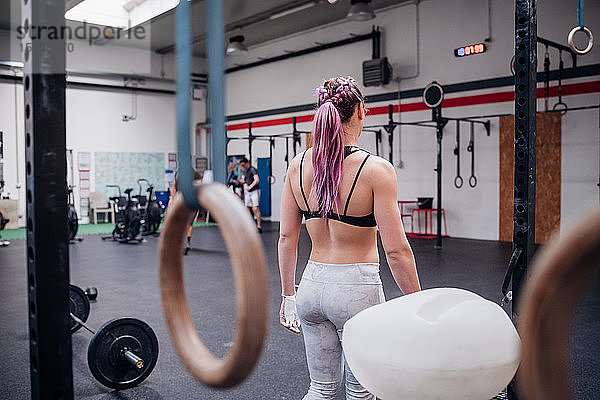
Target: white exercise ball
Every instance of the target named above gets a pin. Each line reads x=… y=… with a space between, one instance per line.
x=442 y=343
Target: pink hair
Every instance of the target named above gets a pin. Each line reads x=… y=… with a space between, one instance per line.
x=328 y=156
x=337 y=98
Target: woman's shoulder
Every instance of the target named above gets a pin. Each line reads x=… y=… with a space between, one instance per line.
x=379 y=168
x=295 y=162
x=378 y=163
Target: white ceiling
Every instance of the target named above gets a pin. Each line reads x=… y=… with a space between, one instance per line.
x=251 y=19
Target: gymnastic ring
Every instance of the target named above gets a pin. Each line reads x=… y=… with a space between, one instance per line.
x=560 y=274
x=561 y=104
x=271 y=179
x=512 y=66
x=250 y=275
x=590 y=40
x=458 y=181
x=472 y=181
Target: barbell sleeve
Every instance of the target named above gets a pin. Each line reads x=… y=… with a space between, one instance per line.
x=133 y=359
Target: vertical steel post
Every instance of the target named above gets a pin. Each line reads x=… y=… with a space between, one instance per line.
x=390 y=130
x=525 y=136
x=438 y=238
x=295 y=137
x=376 y=45
x=44 y=83
x=250 y=140
x=525 y=149
x=287 y=153
x=216 y=86
x=271 y=145
x=440 y=124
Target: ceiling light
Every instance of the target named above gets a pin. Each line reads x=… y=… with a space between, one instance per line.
x=14 y=64
x=119 y=13
x=292 y=10
x=360 y=10
x=236 y=46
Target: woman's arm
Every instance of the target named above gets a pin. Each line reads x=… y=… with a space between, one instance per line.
x=397 y=249
x=289 y=232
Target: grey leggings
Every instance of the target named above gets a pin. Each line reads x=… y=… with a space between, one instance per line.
x=329 y=295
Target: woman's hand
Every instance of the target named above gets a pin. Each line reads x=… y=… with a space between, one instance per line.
x=288 y=316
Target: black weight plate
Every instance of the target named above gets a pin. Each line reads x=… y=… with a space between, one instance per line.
x=80 y=306
x=73 y=222
x=134 y=219
x=105 y=352
x=153 y=218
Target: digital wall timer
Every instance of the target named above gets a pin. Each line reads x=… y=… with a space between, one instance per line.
x=469 y=50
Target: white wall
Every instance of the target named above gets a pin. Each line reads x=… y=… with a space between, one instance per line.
x=94 y=117
x=94 y=123
x=444 y=25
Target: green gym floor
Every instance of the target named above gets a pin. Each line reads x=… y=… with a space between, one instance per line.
x=84 y=230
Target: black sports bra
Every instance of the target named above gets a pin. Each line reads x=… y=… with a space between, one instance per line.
x=363 y=221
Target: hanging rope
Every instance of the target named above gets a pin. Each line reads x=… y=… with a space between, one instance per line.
x=183 y=32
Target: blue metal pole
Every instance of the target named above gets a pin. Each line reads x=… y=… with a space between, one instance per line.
x=183 y=34
x=216 y=86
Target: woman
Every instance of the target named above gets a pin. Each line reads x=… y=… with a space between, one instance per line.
x=344 y=194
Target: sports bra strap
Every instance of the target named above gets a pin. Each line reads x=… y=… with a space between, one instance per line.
x=301 y=186
x=354 y=183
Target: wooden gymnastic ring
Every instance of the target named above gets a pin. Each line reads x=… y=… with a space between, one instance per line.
x=250 y=274
x=560 y=275
x=588 y=33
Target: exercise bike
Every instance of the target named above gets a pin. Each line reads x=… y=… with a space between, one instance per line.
x=72 y=217
x=3 y=223
x=127 y=218
x=151 y=209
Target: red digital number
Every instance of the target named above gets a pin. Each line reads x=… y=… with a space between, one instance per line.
x=470 y=50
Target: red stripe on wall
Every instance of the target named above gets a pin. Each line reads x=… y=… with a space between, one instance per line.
x=478 y=99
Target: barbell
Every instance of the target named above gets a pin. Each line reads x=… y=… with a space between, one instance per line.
x=122 y=353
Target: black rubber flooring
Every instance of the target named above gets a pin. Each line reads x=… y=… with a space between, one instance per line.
x=127 y=280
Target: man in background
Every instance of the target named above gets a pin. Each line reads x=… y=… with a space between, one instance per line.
x=251 y=190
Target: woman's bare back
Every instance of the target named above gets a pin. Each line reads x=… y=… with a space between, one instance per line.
x=334 y=241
